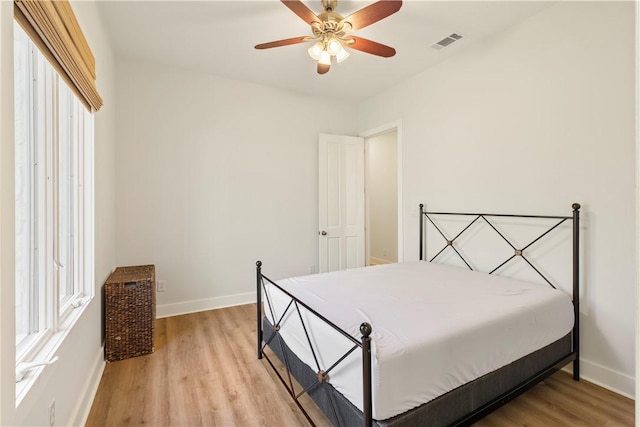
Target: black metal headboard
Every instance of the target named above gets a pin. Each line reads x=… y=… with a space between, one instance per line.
x=517 y=251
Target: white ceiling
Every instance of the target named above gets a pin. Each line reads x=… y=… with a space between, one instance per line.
x=218 y=37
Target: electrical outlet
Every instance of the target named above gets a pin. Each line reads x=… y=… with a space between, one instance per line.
x=52 y=414
x=161 y=285
x=312 y=269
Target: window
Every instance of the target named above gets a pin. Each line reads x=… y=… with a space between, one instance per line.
x=54 y=203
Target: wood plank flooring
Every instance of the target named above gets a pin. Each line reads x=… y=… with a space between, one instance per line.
x=204 y=372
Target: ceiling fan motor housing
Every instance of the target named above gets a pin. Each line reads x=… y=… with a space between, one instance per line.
x=329 y=5
x=331 y=23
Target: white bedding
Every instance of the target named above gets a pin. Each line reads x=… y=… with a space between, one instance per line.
x=435 y=327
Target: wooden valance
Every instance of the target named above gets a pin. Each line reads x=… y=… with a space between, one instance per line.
x=53 y=26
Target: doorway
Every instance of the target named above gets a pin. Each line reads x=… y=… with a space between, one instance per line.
x=349 y=217
x=382 y=198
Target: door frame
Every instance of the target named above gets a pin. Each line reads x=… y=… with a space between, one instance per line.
x=380 y=130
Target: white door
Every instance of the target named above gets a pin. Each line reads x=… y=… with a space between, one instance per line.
x=341 y=204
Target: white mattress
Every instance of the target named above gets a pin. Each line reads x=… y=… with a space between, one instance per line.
x=435 y=327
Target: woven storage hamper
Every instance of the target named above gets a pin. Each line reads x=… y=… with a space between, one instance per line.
x=130 y=312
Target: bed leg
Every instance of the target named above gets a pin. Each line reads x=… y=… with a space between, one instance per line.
x=259 y=306
x=421 y=216
x=576 y=290
x=365 y=330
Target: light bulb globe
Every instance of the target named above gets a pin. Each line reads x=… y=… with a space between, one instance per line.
x=342 y=55
x=315 y=51
x=325 y=58
x=333 y=47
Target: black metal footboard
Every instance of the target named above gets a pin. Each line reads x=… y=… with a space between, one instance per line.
x=322 y=374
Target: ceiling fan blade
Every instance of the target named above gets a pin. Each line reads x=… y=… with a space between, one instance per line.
x=285 y=42
x=373 y=13
x=323 y=68
x=369 y=46
x=301 y=10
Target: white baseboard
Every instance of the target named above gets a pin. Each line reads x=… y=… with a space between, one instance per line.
x=608 y=378
x=80 y=413
x=186 y=307
x=621 y=384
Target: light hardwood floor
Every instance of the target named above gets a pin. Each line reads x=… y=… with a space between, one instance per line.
x=204 y=372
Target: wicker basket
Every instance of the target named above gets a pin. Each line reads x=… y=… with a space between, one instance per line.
x=130 y=312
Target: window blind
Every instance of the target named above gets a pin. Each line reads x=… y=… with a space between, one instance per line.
x=53 y=26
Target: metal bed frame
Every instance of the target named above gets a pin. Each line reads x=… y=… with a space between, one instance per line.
x=364 y=343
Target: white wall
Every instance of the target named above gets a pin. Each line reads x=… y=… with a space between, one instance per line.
x=637 y=14
x=382 y=195
x=72 y=381
x=213 y=175
x=7 y=231
x=529 y=121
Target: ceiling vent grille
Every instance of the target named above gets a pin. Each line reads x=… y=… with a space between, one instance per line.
x=446 y=41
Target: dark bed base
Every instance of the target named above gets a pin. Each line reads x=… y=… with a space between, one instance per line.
x=462 y=406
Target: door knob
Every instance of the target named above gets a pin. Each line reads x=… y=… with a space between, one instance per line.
x=324 y=233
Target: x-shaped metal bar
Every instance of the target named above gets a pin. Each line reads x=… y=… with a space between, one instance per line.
x=322 y=374
x=517 y=252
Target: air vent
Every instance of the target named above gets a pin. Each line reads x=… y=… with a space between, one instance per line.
x=447 y=41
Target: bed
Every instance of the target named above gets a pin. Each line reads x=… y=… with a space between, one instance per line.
x=421 y=343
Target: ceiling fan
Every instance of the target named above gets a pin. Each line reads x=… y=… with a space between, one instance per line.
x=331 y=31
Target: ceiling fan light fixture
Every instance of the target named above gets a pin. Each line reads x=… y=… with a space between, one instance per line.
x=329 y=31
x=316 y=50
